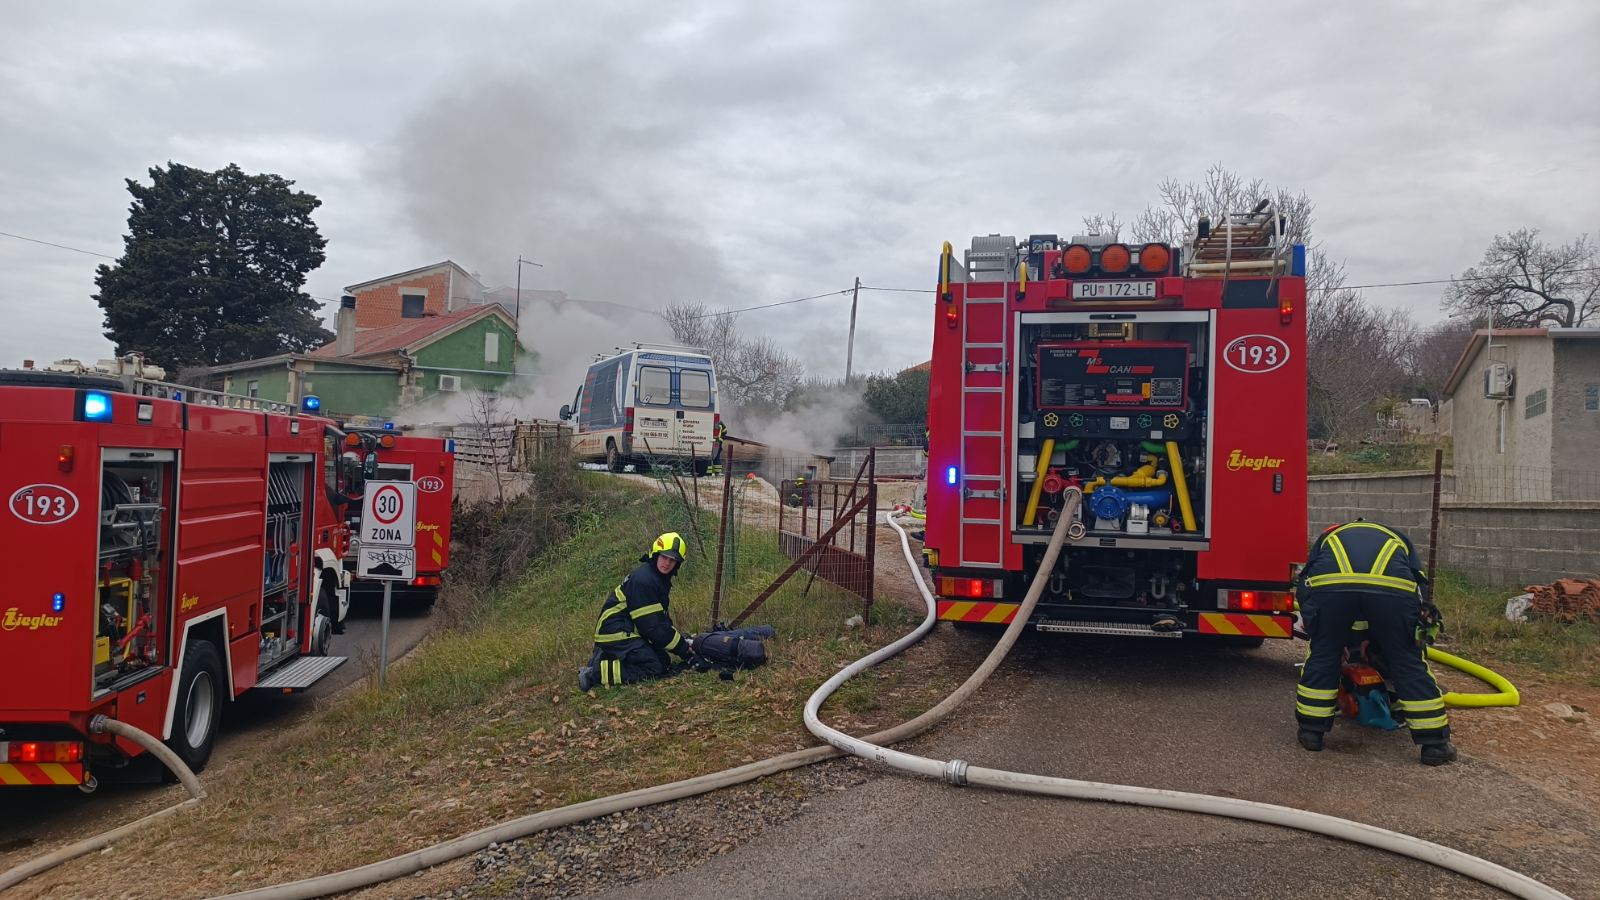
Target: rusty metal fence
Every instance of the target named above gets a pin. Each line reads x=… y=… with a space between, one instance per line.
x=823 y=531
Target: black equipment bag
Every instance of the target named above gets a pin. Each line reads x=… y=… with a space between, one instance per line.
x=739 y=649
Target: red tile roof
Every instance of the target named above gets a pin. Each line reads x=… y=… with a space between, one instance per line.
x=390 y=338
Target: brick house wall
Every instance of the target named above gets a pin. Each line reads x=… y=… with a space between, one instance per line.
x=380 y=304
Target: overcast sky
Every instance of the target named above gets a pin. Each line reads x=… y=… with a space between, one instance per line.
x=741 y=153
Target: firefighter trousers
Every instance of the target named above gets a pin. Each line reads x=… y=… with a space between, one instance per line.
x=1392 y=626
x=629 y=662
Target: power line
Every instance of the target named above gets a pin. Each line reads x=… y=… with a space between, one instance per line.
x=113 y=258
x=729 y=312
x=1342 y=287
x=57 y=246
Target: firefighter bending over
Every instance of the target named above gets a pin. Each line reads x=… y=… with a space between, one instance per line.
x=1364 y=571
x=635 y=632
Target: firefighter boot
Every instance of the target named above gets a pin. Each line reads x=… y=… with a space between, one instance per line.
x=1438 y=754
x=588 y=678
x=1312 y=740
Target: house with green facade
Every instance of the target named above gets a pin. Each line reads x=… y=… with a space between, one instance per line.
x=378 y=372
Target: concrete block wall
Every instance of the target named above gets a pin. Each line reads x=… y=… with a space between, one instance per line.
x=1501 y=544
x=892 y=462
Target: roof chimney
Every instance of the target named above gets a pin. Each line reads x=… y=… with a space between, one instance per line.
x=344 y=342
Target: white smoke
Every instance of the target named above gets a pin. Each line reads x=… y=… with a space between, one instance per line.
x=814 y=426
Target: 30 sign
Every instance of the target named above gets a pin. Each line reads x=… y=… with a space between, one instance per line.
x=44 y=504
x=1255 y=353
x=389 y=514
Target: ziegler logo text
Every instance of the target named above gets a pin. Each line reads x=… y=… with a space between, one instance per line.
x=1237 y=460
x=32 y=623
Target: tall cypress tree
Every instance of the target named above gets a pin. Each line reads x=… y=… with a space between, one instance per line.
x=212 y=269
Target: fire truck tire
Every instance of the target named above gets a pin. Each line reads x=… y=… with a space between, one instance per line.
x=614 y=462
x=200 y=692
x=328 y=605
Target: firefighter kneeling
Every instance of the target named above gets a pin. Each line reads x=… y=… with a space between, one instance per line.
x=635 y=632
x=1365 y=571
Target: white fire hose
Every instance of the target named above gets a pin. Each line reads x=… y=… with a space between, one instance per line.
x=959 y=772
x=955 y=771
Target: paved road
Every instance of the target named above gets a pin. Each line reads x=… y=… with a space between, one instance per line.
x=1159 y=714
x=44 y=816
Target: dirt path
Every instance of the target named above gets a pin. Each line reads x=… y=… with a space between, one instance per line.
x=1157 y=713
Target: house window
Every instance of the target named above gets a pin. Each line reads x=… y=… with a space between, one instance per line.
x=252 y=389
x=1533 y=404
x=1591 y=397
x=411 y=305
x=491 y=346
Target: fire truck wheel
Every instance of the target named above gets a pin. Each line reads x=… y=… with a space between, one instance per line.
x=200 y=687
x=613 y=458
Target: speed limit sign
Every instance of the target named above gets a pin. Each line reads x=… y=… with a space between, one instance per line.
x=389 y=514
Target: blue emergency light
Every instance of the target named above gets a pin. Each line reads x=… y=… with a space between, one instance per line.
x=950 y=475
x=96 y=406
x=311 y=403
x=58 y=602
x=388 y=426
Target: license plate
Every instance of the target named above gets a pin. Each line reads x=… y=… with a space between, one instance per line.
x=1113 y=290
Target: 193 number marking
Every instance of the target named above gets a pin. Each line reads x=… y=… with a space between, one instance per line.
x=1255 y=353
x=44 y=504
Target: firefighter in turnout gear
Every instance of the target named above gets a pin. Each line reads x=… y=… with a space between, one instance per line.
x=1364 y=572
x=635 y=632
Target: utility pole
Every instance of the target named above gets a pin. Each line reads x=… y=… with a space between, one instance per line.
x=520 y=263
x=850 y=348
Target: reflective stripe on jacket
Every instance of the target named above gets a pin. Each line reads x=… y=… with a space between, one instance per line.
x=1363 y=556
x=638 y=608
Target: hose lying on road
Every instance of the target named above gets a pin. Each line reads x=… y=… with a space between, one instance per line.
x=104 y=725
x=417 y=860
x=960 y=772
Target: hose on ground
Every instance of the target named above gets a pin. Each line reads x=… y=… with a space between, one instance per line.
x=417 y=860
x=105 y=725
x=1505 y=692
x=1507 y=695
x=959 y=772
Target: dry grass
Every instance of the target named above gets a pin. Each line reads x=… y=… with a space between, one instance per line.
x=484 y=722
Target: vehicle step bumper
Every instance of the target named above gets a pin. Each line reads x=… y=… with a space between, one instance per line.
x=300 y=674
x=1071 y=626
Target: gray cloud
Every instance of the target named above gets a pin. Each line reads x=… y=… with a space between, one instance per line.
x=742 y=153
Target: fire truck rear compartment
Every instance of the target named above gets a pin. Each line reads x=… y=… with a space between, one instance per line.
x=1120 y=407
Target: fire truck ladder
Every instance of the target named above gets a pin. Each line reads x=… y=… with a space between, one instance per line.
x=146 y=387
x=1252 y=243
x=992 y=258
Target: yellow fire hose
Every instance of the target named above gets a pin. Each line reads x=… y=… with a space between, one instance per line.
x=1507 y=695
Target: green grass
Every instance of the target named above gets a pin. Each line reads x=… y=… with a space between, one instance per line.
x=1476 y=627
x=1375 y=458
x=484 y=720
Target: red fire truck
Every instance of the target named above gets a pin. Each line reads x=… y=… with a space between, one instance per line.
x=1168 y=383
x=429 y=462
x=176 y=548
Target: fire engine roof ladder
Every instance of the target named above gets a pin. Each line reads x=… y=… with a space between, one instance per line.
x=1250 y=243
x=146 y=387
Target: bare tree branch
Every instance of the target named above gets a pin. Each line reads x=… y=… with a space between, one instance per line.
x=1523 y=282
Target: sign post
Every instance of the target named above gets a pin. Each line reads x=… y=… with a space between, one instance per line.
x=387 y=548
